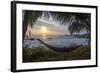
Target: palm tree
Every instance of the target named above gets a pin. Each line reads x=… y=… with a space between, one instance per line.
x=81 y=22
x=76 y=21
x=29 y=18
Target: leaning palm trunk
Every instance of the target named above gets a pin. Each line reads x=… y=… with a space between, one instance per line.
x=25 y=22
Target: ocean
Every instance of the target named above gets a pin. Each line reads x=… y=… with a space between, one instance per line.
x=56 y=40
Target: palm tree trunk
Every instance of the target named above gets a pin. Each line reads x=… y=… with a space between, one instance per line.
x=25 y=23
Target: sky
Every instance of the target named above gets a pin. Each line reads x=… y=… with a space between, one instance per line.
x=51 y=27
x=44 y=26
x=41 y=27
x=48 y=27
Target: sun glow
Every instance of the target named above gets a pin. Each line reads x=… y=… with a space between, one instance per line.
x=44 y=30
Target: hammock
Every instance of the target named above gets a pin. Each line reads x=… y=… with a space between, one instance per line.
x=60 y=49
x=56 y=48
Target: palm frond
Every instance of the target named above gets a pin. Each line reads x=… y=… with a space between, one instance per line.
x=33 y=16
x=76 y=27
x=61 y=17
